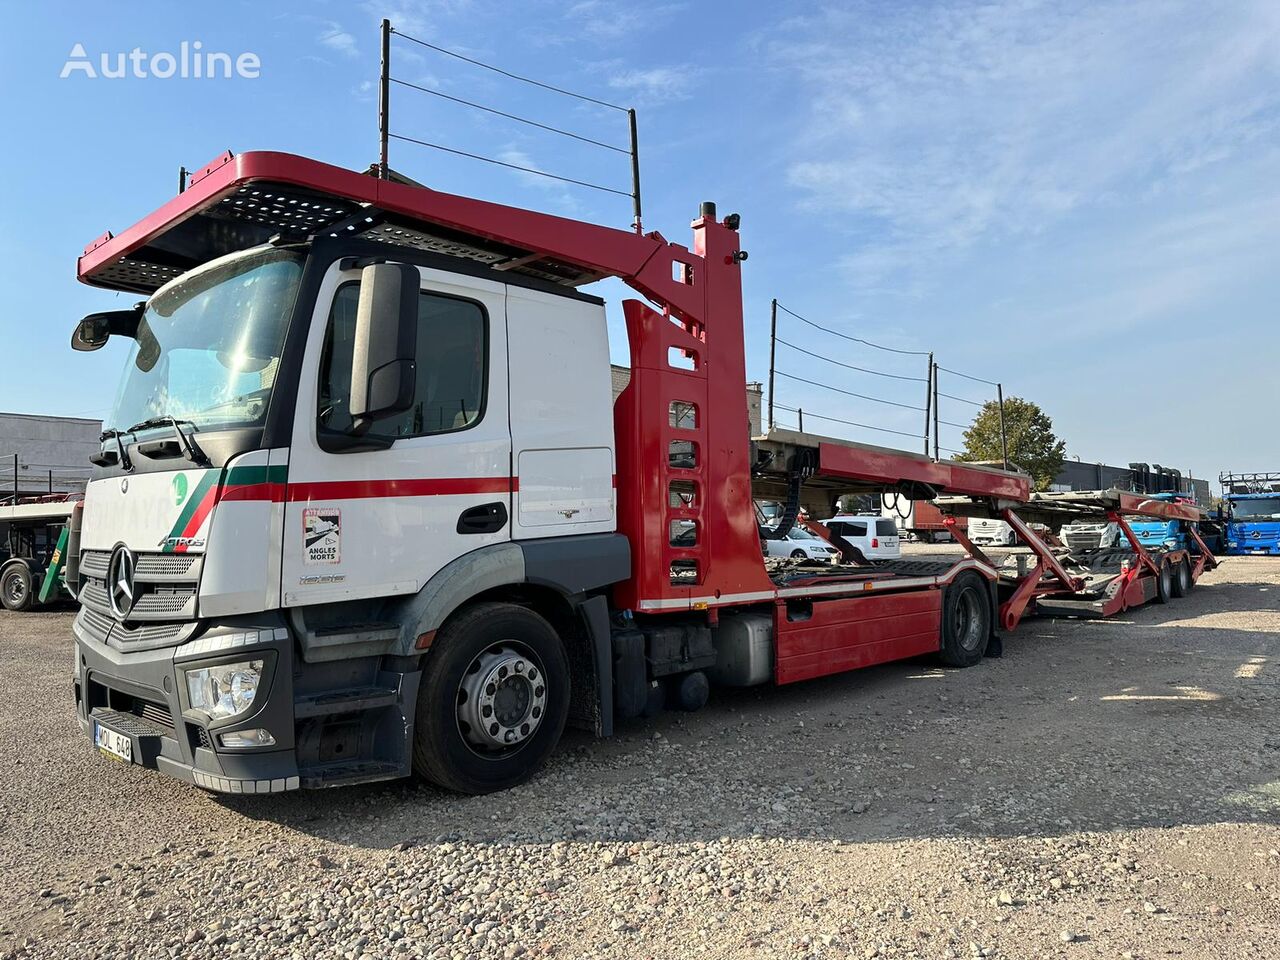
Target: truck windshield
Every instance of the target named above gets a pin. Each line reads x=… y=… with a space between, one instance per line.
x=1267 y=508
x=208 y=345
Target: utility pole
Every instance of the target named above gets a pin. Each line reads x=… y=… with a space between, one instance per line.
x=936 y=447
x=1004 y=446
x=773 y=348
x=928 y=401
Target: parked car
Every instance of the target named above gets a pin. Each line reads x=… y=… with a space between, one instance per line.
x=802 y=545
x=876 y=537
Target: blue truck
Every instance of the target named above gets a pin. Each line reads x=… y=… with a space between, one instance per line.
x=1162 y=533
x=1252 y=507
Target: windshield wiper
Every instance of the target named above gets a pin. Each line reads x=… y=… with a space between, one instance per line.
x=190 y=449
x=104 y=458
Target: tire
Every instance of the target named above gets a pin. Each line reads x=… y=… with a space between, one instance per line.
x=799 y=555
x=17 y=590
x=966 y=621
x=1164 y=582
x=475 y=645
x=1181 y=578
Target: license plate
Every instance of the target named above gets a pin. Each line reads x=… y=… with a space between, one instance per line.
x=111 y=744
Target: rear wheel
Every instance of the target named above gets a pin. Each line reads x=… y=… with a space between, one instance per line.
x=16 y=588
x=966 y=621
x=493 y=699
x=1181 y=578
x=1164 y=582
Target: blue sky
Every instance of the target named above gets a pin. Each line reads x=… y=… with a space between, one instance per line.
x=1079 y=200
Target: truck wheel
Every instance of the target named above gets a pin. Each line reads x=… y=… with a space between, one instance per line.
x=16 y=591
x=1181 y=578
x=1164 y=582
x=966 y=621
x=493 y=699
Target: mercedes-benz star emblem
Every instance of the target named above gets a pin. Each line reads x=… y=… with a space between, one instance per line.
x=120 y=581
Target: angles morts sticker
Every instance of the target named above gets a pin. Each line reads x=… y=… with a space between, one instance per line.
x=321 y=535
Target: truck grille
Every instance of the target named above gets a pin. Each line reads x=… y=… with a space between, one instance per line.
x=166 y=585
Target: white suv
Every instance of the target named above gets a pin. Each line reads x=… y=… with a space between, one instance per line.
x=876 y=537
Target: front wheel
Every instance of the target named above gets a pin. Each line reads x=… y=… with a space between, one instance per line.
x=17 y=592
x=493 y=699
x=966 y=621
x=799 y=555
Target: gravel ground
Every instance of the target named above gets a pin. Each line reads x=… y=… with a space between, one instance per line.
x=1107 y=789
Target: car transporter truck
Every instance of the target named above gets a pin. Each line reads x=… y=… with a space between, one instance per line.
x=365 y=508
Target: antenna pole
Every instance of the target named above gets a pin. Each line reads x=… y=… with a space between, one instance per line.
x=635 y=176
x=182 y=179
x=384 y=99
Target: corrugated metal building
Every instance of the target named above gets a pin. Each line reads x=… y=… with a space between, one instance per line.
x=52 y=453
x=1077 y=475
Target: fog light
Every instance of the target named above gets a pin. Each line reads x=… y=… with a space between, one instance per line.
x=256 y=737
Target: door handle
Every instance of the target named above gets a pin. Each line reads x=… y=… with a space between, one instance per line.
x=486 y=518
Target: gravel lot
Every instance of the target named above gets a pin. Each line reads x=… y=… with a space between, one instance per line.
x=1107 y=789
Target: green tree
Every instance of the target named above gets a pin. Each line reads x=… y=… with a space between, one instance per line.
x=1029 y=433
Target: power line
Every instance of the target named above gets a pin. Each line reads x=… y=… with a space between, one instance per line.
x=505 y=73
x=961 y=399
x=852 y=423
x=510 y=166
x=848 y=393
x=845 y=336
x=510 y=116
x=957 y=373
x=849 y=366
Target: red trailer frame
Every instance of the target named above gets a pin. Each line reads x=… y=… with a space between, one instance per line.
x=1049 y=579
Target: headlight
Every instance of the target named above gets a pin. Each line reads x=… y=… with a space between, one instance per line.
x=224 y=691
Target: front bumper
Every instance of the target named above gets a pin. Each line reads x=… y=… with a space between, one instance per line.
x=335 y=721
x=141 y=694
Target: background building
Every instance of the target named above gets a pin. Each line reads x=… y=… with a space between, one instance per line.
x=1141 y=477
x=52 y=454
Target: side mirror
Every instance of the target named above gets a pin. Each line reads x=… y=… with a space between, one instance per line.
x=384 y=358
x=96 y=329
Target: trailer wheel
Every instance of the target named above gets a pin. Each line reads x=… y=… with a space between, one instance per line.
x=966 y=621
x=493 y=699
x=1181 y=578
x=16 y=590
x=1164 y=582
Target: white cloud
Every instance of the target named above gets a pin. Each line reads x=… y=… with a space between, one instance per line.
x=655 y=85
x=338 y=40
x=933 y=128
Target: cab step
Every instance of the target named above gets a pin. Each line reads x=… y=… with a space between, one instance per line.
x=355 y=700
x=346 y=773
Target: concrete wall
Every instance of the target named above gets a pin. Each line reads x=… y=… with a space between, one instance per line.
x=755 y=393
x=60 y=444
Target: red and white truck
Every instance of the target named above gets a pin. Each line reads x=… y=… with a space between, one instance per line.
x=365 y=507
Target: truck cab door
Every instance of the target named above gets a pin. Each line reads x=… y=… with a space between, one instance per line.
x=382 y=520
